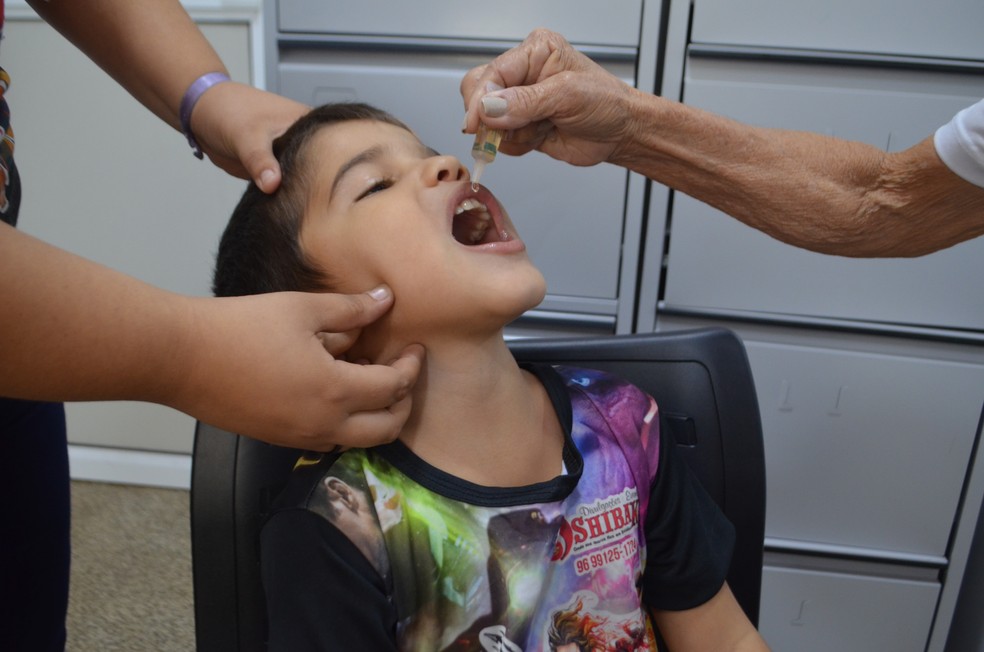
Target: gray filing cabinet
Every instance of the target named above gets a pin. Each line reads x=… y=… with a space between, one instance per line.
x=582 y=226
x=870 y=373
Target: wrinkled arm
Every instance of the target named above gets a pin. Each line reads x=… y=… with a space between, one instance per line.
x=812 y=191
x=817 y=192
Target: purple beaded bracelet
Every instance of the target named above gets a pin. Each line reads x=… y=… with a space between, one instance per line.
x=191 y=97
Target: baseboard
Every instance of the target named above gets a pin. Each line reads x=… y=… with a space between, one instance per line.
x=120 y=466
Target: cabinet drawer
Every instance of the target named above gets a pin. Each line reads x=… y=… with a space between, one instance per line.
x=945 y=28
x=588 y=22
x=717 y=263
x=864 y=450
x=820 y=610
x=569 y=217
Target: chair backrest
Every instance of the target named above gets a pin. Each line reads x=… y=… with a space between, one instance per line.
x=700 y=379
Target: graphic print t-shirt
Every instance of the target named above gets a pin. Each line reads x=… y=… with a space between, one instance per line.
x=375 y=549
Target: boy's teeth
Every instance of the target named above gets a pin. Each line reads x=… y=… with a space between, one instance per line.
x=480 y=219
x=478 y=233
x=469 y=204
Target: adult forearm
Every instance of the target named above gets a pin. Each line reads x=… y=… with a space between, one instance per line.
x=262 y=366
x=74 y=330
x=153 y=49
x=821 y=193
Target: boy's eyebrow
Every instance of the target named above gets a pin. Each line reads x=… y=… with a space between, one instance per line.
x=368 y=156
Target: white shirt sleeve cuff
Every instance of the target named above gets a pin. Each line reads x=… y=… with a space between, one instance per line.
x=960 y=143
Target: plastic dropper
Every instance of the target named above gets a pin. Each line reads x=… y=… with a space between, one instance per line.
x=484 y=150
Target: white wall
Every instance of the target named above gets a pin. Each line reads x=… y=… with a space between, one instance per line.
x=106 y=179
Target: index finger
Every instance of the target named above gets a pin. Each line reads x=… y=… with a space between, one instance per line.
x=378 y=386
x=474 y=85
x=518 y=66
x=510 y=68
x=469 y=82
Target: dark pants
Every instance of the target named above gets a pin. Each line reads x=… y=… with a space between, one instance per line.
x=35 y=537
x=35 y=534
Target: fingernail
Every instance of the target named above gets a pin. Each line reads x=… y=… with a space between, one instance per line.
x=491 y=87
x=380 y=294
x=267 y=178
x=494 y=106
x=464 y=124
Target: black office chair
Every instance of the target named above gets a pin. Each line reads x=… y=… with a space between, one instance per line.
x=701 y=380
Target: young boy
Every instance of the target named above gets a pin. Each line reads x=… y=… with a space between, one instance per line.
x=520 y=508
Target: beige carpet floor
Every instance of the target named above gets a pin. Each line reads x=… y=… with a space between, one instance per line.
x=131 y=587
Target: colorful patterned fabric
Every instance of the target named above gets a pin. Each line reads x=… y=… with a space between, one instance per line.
x=9 y=193
x=466 y=567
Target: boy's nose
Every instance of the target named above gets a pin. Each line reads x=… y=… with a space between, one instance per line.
x=438 y=169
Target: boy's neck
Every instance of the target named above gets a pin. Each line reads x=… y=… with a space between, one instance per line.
x=478 y=416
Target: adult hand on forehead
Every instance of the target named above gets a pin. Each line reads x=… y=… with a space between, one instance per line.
x=269 y=369
x=552 y=98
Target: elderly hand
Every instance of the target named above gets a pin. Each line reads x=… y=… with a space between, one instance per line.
x=267 y=366
x=236 y=124
x=552 y=98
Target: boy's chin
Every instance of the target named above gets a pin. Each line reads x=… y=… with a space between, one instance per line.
x=479 y=316
x=511 y=303
x=534 y=294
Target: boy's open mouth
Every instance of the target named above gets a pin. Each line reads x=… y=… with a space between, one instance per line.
x=472 y=223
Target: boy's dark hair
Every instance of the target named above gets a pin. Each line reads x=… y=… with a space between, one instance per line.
x=260 y=249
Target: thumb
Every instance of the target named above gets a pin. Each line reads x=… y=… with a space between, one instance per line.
x=344 y=312
x=264 y=170
x=518 y=106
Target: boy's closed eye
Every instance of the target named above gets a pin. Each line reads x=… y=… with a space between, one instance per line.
x=375 y=186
